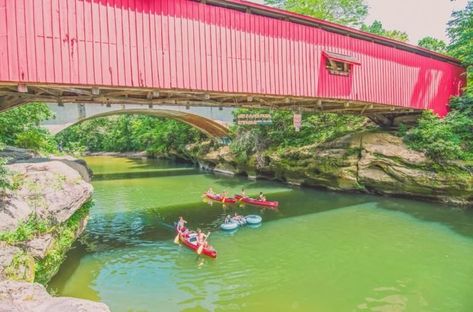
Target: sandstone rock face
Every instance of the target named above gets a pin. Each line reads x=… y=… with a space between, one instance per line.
x=372 y=162
x=220 y=160
x=388 y=166
x=26 y=297
x=39 y=246
x=51 y=190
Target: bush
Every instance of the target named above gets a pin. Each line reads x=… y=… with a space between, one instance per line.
x=315 y=129
x=66 y=235
x=20 y=126
x=4 y=181
x=27 y=231
x=450 y=138
x=36 y=139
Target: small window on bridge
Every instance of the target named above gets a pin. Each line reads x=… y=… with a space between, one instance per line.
x=339 y=64
x=338 y=68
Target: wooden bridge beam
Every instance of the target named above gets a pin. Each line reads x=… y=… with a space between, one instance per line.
x=10 y=97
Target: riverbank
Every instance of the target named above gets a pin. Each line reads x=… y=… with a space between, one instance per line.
x=43 y=211
x=373 y=162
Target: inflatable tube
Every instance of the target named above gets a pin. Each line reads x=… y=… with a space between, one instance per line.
x=229 y=226
x=253 y=219
x=254 y=226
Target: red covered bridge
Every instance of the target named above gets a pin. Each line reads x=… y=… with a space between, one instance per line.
x=212 y=53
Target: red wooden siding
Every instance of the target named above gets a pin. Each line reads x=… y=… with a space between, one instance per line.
x=183 y=44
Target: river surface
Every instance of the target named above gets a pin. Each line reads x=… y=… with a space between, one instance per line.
x=321 y=251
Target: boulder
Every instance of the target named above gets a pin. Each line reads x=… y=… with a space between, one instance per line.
x=27 y=297
x=388 y=166
x=15 y=154
x=38 y=247
x=51 y=190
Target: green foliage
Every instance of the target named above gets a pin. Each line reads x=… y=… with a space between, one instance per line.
x=460 y=32
x=27 y=230
x=315 y=128
x=20 y=268
x=443 y=139
x=126 y=133
x=4 y=181
x=433 y=44
x=377 y=28
x=20 y=126
x=463 y=103
x=37 y=139
x=65 y=235
x=346 y=12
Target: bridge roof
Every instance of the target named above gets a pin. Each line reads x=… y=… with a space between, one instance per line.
x=259 y=9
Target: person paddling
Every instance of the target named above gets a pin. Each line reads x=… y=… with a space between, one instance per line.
x=224 y=196
x=201 y=238
x=262 y=197
x=242 y=193
x=181 y=225
x=210 y=191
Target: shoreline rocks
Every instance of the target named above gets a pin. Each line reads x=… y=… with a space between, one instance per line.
x=370 y=162
x=41 y=215
x=33 y=297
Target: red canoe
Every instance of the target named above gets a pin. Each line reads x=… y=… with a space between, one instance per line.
x=190 y=240
x=256 y=202
x=216 y=197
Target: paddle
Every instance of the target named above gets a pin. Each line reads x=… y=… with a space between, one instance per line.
x=176 y=240
x=201 y=247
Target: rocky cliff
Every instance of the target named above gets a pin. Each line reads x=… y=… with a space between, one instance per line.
x=41 y=215
x=372 y=162
x=27 y=297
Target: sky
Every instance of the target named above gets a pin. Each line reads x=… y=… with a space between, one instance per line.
x=418 y=18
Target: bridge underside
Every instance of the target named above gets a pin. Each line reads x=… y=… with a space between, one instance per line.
x=14 y=95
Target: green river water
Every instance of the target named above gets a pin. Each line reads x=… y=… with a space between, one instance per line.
x=321 y=251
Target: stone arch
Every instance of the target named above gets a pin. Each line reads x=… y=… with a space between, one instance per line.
x=207 y=126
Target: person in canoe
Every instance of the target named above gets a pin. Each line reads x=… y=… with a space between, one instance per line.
x=243 y=193
x=261 y=196
x=181 y=225
x=228 y=219
x=223 y=196
x=210 y=191
x=202 y=238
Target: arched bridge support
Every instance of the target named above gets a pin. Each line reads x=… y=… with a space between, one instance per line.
x=212 y=121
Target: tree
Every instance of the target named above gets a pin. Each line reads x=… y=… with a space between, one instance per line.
x=460 y=32
x=20 y=126
x=377 y=28
x=433 y=44
x=129 y=133
x=346 y=12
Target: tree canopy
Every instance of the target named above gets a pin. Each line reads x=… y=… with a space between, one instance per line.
x=346 y=12
x=377 y=28
x=460 y=32
x=20 y=126
x=433 y=44
x=126 y=133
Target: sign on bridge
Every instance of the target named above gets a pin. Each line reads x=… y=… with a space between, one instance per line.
x=254 y=119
